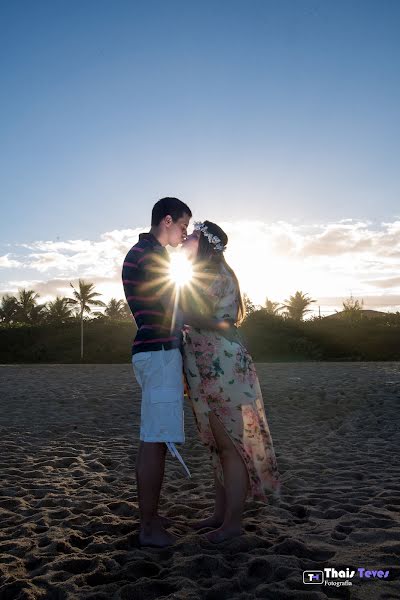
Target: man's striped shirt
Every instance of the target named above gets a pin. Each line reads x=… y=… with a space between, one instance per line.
x=145 y=276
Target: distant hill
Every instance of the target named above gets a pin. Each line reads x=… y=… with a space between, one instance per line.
x=369 y=314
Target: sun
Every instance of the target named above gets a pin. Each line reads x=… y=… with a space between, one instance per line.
x=180 y=270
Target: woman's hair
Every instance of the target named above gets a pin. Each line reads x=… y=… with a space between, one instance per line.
x=212 y=259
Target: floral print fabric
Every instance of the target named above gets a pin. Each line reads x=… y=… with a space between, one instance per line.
x=222 y=378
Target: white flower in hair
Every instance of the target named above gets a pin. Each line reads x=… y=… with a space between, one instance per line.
x=212 y=239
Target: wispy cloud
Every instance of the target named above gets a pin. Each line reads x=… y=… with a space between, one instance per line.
x=8 y=263
x=329 y=261
x=392 y=282
x=81 y=258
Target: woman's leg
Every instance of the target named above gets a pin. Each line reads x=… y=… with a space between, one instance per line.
x=236 y=482
x=217 y=518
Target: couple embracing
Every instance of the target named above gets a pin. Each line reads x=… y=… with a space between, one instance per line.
x=195 y=339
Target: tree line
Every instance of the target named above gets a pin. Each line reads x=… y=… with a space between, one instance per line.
x=24 y=309
x=31 y=331
x=297 y=306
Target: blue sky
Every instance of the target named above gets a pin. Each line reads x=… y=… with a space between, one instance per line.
x=262 y=111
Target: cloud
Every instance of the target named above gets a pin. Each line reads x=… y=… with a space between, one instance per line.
x=328 y=261
x=81 y=258
x=391 y=282
x=373 y=301
x=9 y=263
x=344 y=238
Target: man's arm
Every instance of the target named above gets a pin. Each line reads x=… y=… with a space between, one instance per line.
x=192 y=318
x=200 y=322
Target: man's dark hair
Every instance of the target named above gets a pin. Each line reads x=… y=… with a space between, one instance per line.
x=169 y=206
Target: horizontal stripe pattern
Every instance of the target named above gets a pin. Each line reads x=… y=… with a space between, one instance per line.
x=142 y=298
x=163 y=327
x=138 y=278
x=141 y=259
x=137 y=313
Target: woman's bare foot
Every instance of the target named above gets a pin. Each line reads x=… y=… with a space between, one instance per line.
x=155 y=535
x=214 y=521
x=224 y=533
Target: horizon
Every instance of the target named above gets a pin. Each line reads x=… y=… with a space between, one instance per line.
x=353 y=258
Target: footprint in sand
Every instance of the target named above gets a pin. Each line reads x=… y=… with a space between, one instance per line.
x=147 y=589
x=292 y=547
x=301 y=512
x=79 y=542
x=262 y=569
x=74 y=565
x=341 y=532
x=101 y=578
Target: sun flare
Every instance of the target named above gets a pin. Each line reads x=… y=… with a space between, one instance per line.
x=180 y=271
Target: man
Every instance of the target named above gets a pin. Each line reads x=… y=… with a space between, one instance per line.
x=156 y=357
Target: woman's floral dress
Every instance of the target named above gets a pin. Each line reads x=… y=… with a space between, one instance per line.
x=222 y=378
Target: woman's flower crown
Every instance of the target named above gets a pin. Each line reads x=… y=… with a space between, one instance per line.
x=212 y=239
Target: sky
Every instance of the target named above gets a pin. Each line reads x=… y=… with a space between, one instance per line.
x=277 y=119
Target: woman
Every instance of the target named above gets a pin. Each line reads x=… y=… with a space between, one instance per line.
x=224 y=389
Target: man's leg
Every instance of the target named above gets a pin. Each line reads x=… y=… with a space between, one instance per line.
x=150 y=466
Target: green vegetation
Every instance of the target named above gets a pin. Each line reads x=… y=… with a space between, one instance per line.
x=52 y=333
x=105 y=342
x=297 y=306
x=84 y=298
x=274 y=338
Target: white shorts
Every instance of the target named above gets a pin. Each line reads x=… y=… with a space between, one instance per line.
x=160 y=375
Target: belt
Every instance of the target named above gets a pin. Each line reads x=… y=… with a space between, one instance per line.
x=172 y=448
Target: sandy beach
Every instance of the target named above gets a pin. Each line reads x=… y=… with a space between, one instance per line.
x=68 y=505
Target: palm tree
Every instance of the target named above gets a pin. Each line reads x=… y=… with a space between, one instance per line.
x=8 y=309
x=249 y=305
x=116 y=310
x=84 y=299
x=271 y=308
x=352 y=309
x=28 y=311
x=59 y=310
x=126 y=312
x=297 y=306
